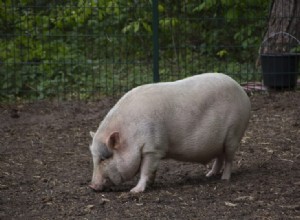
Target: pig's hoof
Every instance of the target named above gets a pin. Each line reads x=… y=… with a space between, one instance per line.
x=137 y=190
x=211 y=173
x=225 y=178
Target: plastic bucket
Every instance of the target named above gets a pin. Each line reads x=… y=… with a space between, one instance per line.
x=280 y=71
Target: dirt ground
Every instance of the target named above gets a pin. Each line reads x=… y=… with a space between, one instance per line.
x=45 y=167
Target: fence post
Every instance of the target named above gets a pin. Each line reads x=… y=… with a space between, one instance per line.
x=155 y=24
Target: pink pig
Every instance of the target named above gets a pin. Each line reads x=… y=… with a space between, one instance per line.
x=196 y=119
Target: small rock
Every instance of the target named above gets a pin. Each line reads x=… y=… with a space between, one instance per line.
x=38 y=161
x=36 y=177
x=14 y=113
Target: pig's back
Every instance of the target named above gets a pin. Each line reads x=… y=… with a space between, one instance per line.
x=195 y=93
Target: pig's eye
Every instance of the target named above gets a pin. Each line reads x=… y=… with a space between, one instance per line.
x=102 y=159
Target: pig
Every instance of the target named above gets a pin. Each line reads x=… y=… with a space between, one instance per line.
x=196 y=119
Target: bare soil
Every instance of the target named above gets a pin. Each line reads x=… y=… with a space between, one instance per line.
x=45 y=167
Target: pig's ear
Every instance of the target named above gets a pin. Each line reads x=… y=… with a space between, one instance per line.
x=113 y=141
x=92 y=134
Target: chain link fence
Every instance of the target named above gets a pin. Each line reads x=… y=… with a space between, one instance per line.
x=87 y=49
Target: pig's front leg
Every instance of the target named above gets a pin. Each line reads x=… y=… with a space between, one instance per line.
x=148 y=169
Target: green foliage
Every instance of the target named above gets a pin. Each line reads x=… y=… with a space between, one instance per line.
x=211 y=35
x=85 y=48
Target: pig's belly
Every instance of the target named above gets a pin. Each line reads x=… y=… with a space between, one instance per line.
x=195 y=153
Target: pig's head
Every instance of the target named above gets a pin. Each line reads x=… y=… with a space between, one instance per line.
x=105 y=172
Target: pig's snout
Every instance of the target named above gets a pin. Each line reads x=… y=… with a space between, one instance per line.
x=103 y=185
x=95 y=187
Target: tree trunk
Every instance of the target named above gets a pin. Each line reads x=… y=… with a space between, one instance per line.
x=284 y=17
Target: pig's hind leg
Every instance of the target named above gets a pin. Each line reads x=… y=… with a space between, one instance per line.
x=227 y=169
x=230 y=149
x=217 y=166
x=148 y=170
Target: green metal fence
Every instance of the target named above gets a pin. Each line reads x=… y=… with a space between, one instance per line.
x=87 y=49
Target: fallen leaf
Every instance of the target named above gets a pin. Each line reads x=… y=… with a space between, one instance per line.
x=230 y=204
x=244 y=198
x=3 y=187
x=90 y=206
x=295 y=207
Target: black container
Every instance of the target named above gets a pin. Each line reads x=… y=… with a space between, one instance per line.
x=280 y=71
